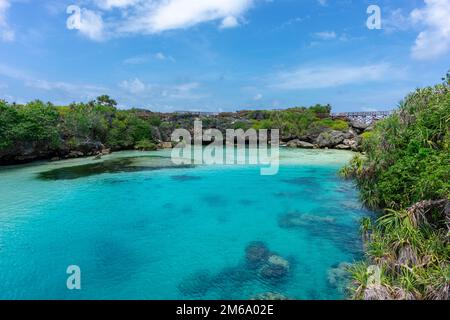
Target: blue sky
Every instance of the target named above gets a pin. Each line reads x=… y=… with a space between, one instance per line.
x=221 y=55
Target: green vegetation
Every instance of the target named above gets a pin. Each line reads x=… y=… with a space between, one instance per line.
x=36 y=122
x=72 y=126
x=299 y=122
x=146 y=145
x=405 y=171
x=339 y=125
x=42 y=130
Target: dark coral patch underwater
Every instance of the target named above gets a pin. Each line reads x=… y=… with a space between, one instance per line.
x=107 y=166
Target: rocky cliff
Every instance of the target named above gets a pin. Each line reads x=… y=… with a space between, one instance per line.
x=299 y=128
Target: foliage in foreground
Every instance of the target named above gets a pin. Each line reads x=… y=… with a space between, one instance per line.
x=405 y=171
x=411 y=250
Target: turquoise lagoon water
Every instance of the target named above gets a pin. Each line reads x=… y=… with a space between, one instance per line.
x=141 y=229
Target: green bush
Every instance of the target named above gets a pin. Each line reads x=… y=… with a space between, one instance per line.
x=338 y=125
x=146 y=145
x=408 y=156
x=98 y=120
x=406 y=174
x=34 y=122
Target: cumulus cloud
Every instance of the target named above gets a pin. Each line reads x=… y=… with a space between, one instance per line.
x=434 y=41
x=154 y=16
x=6 y=33
x=330 y=76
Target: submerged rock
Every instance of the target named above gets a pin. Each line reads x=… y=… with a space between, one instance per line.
x=269 y=266
x=256 y=253
x=275 y=268
x=270 y=296
x=183 y=178
x=303 y=181
x=292 y=220
x=215 y=200
x=196 y=285
x=273 y=271
x=339 y=277
x=279 y=261
x=351 y=205
x=101 y=167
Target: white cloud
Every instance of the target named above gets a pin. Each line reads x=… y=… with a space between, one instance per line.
x=133 y=86
x=434 y=41
x=6 y=33
x=143 y=59
x=138 y=88
x=154 y=16
x=322 y=2
x=229 y=22
x=180 y=14
x=136 y=60
x=258 y=97
x=369 y=109
x=183 y=90
x=74 y=90
x=87 y=22
x=325 y=35
x=109 y=4
x=162 y=56
x=396 y=20
x=331 y=76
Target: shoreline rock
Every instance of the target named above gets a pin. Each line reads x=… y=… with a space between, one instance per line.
x=315 y=137
x=269 y=296
x=296 y=143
